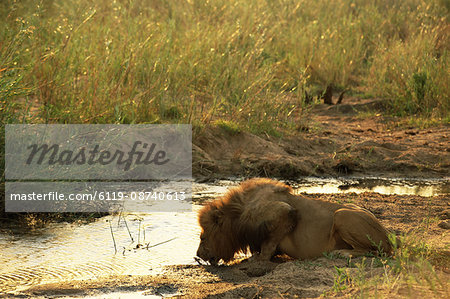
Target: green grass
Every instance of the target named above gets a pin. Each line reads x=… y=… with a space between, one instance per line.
x=228 y=126
x=192 y=61
x=415 y=269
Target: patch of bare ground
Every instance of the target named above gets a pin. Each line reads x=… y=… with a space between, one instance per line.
x=336 y=141
x=417 y=219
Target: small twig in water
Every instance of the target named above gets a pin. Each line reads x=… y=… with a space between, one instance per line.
x=118 y=220
x=112 y=234
x=199 y=261
x=160 y=243
x=144 y=233
x=126 y=224
x=139 y=233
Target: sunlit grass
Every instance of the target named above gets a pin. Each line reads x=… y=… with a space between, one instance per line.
x=191 y=61
x=415 y=270
x=228 y=126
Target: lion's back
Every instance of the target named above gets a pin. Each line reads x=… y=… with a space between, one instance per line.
x=257 y=190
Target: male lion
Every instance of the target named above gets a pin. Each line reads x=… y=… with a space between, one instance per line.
x=264 y=216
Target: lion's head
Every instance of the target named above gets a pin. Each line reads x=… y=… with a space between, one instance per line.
x=218 y=239
x=224 y=231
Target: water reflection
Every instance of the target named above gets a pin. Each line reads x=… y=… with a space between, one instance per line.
x=399 y=186
x=67 y=252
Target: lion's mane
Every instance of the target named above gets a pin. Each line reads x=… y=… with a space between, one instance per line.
x=222 y=222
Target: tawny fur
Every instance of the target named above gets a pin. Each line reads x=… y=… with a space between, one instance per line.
x=264 y=217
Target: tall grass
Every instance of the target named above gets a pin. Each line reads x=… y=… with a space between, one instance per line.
x=250 y=61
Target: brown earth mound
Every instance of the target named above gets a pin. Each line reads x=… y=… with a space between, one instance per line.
x=338 y=141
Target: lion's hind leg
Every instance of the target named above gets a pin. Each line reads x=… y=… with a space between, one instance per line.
x=360 y=230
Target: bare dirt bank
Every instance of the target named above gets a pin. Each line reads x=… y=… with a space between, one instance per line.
x=336 y=141
x=425 y=218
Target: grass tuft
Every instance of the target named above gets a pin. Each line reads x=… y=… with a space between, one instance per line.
x=414 y=270
x=228 y=126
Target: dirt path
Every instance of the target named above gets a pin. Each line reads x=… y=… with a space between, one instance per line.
x=424 y=218
x=336 y=141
